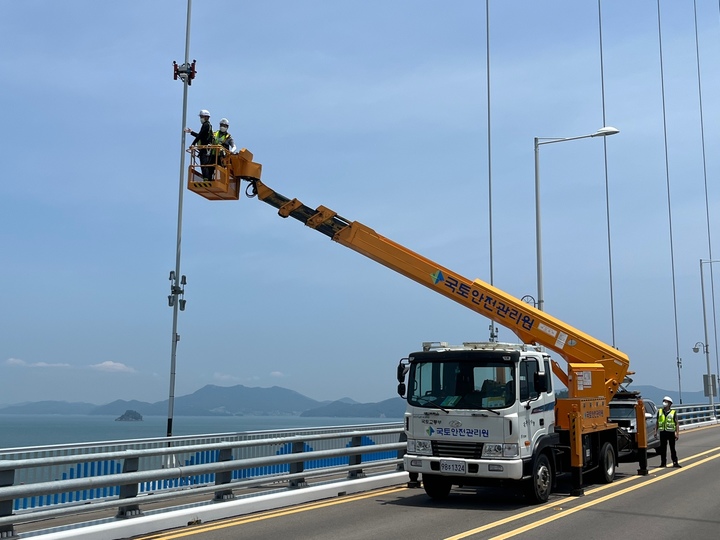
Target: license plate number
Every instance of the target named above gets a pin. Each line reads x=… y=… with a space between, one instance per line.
x=456 y=467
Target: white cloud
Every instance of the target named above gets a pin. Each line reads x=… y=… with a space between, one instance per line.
x=23 y=363
x=113 y=367
x=225 y=377
x=277 y=374
x=228 y=378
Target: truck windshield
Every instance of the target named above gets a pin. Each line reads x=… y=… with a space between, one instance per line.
x=462 y=384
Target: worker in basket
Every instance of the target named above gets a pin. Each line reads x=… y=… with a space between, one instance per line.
x=223 y=138
x=203 y=138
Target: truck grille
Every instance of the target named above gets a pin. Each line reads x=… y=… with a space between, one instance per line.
x=457 y=449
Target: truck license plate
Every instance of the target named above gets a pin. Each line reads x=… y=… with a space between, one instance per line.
x=455 y=467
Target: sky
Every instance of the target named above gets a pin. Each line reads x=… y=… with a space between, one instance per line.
x=378 y=110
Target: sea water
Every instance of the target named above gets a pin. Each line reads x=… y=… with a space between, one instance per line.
x=38 y=430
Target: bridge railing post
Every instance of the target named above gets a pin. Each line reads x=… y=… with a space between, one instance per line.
x=129 y=491
x=7 y=478
x=298 y=447
x=355 y=459
x=225 y=477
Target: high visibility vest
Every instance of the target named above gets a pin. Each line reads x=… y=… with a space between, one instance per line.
x=221 y=138
x=666 y=423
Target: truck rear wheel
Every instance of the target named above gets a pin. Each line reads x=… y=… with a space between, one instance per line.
x=437 y=487
x=607 y=462
x=540 y=485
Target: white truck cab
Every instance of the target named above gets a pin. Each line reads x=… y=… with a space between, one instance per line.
x=478 y=414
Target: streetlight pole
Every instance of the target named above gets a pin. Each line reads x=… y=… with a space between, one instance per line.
x=706 y=347
x=709 y=387
x=702 y=288
x=539 y=141
x=176 y=300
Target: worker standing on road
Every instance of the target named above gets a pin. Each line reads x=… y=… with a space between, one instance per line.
x=204 y=137
x=669 y=432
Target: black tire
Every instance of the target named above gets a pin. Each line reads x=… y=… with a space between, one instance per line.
x=539 y=486
x=436 y=487
x=607 y=464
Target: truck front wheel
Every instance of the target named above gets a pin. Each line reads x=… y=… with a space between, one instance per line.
x=437 y=487
x=540 y=485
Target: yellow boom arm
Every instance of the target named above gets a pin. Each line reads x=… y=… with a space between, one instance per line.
x=531 y=325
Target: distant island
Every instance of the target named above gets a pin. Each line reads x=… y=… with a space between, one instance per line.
x=130 y=416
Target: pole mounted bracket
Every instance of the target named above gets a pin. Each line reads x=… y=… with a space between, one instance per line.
x=177 y=292
x=185 y=72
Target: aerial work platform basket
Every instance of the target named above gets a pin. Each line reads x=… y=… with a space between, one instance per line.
x=218 y=176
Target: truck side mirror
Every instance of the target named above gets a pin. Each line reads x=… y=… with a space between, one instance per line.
x=541 y=384
x=402 y=370
x=401 y=389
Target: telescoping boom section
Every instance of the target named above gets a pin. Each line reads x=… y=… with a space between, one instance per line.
x=528 y=323
x=581 y=351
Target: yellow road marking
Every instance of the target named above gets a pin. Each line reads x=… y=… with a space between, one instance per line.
x=588 y=504
x=270 y=514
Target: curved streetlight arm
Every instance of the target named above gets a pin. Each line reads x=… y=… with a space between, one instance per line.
x=539 y=141
x=602 y=132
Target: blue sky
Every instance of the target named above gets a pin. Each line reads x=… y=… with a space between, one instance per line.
x=378 y=110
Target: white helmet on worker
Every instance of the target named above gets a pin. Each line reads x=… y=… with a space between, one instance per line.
x=204 y=112
x=224 y=124
x=668 y=399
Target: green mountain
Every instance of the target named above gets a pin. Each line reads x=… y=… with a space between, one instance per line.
x=48 y=407
x=210 y=400
x=656 y=394
x=392 y=408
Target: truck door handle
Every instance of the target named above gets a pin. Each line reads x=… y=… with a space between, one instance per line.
x=542 y=421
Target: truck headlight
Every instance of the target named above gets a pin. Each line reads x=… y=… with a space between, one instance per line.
x=420 y=447
x=497 y=450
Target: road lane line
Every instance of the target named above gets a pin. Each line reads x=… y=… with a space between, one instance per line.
x=516 y=517
x=537 y=509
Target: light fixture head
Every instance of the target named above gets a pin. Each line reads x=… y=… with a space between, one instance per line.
x=605 y=131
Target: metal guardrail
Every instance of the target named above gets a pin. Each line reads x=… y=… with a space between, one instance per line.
x=690 y=415
x=53 y=481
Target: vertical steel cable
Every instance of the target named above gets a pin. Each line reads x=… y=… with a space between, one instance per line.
x=607 y=184
x=667 y=182
x=493 y=331
x=707 y=203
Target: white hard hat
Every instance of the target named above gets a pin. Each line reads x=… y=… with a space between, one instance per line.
x=224 y=122
x=204 y=112
x=668 y=399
